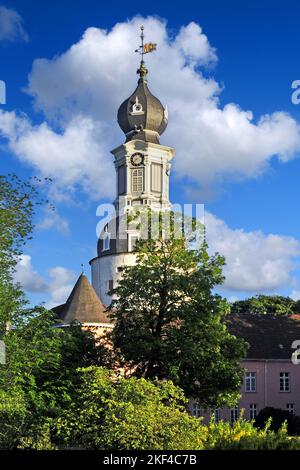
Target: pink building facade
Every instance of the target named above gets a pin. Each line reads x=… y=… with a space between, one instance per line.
x=271 y=379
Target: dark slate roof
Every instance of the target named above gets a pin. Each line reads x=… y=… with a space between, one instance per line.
x=269 y=337
x=150 y=122
x=83 y=305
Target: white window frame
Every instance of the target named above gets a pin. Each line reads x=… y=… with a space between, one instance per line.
x=291 y=408
x=137 y=180
x=234 y=414
x=250 y=382
x=252 y=411
x=284 y=382
x=216 y=414
x=196 y=410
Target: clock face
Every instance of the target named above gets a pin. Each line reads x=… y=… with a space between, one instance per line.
x=137 y=159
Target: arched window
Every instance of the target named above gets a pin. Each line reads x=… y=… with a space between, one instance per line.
x=106 y=243
x=106 y=239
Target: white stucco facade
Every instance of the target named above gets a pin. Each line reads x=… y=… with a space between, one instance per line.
x=106 y=269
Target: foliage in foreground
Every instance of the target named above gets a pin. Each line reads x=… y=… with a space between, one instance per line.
x=128 y=414
x=242 y=435
x=40 y=377
x=118 y=413
x=278 y=416
x=114 y=413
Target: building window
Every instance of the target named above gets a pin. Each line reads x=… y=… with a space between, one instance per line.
x=196 y=410
x=137 y=180
x=109 y=284
x=250 y=382
x=216 y=415
x=252 y=411
x=106 y=243
x=106 y=239
x=132 y=242
x=234 y=414
x=290 y=408
x=284 y=381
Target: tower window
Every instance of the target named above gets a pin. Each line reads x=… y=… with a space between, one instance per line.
x=106 y=243
x=137 y=180
x=109 y=284
x=106 y=239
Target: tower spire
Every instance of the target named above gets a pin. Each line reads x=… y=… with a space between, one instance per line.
x=143 y=49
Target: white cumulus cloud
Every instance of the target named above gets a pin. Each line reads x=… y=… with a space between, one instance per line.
x=56 y=288
x=73 y=157
x=60 y=286
x=80 y=90
x=255 y=262
x=212 y=142
x=29 y=279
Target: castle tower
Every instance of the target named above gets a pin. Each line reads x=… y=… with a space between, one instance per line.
x=142 y=178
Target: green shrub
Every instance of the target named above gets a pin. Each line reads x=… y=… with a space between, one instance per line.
x=117 y=413
x=12 y=418
x=242 y=435
x=37 y=437
x=278 y=416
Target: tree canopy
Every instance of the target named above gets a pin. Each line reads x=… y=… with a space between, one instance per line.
x=266 y=305
x=170 y=324
x=18 y=200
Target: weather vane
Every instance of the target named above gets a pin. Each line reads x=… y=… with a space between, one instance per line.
x=144 y=49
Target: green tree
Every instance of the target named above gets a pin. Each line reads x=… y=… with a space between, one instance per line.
x=169 y=323
x=18 y=200
x=117 y=413
x=41 y=372
x=40 y=375
x=265 y=305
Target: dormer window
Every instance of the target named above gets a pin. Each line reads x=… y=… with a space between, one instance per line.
x=136 y=108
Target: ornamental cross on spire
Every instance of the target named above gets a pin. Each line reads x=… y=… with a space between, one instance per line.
x=144 y=49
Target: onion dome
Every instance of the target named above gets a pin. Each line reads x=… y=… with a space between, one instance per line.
x=142 y=116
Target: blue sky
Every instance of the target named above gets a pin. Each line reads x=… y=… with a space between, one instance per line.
x=244 y=168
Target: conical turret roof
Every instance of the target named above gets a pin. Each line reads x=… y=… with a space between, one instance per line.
x=83 y=305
